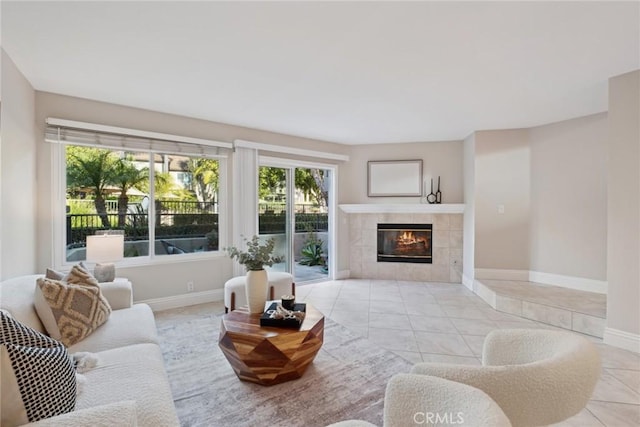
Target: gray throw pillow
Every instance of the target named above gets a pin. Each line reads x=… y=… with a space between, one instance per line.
x=104 y=272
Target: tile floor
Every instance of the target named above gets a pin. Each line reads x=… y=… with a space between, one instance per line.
x=443 y=322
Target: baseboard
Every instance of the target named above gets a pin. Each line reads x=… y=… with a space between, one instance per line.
x=183 y=300
x=485 y=293
x=571 y=282
x=468 y=282
x=502 y=274
x=622 y=339
x=343 y=274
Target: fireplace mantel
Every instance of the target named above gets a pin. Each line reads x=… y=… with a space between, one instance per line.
x=448 y=208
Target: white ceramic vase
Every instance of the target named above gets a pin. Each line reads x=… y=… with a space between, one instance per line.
x=256 y=290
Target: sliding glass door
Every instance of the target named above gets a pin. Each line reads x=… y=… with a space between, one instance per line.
x=274 y=212
x=294 y=208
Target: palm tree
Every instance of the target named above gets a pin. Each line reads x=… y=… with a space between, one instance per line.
x=307 y=183
x=321 y=190
x=164 y=185
x=205 y=178
x=91 y=168
x=127 y=176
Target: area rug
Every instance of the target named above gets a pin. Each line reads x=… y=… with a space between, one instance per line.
x=346 y=380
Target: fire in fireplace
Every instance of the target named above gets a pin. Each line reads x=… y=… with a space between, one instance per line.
x=404 y=243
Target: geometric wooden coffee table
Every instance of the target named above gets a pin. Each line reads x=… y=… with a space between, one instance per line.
x=267 y=355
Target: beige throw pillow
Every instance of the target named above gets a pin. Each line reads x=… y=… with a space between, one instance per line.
x=79 y=274
x=71 y=310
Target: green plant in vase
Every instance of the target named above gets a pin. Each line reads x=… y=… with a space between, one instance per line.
x=255 y=258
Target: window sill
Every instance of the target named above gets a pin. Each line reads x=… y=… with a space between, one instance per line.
x=144 y=261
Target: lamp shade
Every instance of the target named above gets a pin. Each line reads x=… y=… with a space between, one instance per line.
x=105 y=248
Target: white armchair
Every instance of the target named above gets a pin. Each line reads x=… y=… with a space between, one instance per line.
x=538 y=377
x=420 y=400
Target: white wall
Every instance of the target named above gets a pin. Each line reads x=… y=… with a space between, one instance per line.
x=568 y=197
x=442 y=159
x=156 y=280
x=623 y=316
x=502 y=178
x=17 y=173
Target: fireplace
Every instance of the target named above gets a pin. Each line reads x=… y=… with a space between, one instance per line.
x=404 y=243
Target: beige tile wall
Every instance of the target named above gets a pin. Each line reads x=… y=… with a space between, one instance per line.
x=447 y=248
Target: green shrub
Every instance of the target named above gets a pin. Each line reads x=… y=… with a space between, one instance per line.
x=212 y=240
x=191 y=218
x=311 y=252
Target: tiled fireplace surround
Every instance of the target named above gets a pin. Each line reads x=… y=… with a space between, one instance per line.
x=447 y=247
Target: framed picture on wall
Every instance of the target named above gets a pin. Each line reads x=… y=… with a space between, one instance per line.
x=394 y=178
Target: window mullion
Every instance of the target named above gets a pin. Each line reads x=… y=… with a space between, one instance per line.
x=151 y=211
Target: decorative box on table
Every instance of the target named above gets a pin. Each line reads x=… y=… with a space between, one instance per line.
x=287 y=322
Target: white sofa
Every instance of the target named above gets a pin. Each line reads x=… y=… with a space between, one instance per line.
x=129 y=385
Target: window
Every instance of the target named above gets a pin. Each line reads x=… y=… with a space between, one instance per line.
x=109 y=188
x=187 y=210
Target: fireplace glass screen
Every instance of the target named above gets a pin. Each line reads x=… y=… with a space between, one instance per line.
x=404 y=243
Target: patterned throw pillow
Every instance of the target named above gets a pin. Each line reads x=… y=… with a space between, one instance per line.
x=38 y=375
x=71 y=310
x=79 y=274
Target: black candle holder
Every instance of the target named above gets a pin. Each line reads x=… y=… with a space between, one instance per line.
x=288 y=301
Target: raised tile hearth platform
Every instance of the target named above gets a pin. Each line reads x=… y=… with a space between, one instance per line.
x=575 y=310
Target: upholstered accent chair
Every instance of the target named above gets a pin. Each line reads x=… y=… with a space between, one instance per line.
x=422 y=400
x=537 y=376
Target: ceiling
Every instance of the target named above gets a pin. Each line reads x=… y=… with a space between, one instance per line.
x=347 y=72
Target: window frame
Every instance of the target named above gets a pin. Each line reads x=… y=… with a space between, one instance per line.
x=59 y=190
